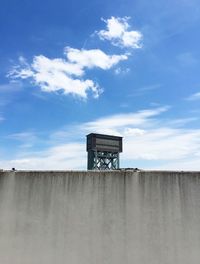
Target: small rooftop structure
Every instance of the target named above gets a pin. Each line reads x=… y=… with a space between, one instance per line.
x=103 y=151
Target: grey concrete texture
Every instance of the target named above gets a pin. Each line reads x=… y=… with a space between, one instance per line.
x=109 y=217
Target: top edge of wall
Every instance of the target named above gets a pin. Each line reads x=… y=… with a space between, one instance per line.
x=102 y=171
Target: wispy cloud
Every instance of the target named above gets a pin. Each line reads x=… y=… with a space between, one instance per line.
x=118 y=33
x=119 y=123
x=25 y=139
x=23 y=136
x=121 y=71
x=145 y=89
x=187 y=59
x=10 y=87
x=65 y=156
x=193 y=97
x=8 y=90
x=1 y=118
x=148 y=139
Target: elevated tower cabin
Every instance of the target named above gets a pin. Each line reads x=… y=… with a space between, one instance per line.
x=103 y=151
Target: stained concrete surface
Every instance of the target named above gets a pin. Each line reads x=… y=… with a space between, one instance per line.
x=57 y=217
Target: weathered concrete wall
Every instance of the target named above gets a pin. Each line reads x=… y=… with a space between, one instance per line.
x=99 y=217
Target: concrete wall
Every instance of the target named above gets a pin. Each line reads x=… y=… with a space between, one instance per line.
x=99 y=217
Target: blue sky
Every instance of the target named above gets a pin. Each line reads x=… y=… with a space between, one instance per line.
x=129 y=68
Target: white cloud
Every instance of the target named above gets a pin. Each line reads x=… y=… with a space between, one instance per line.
x=93 y=58
x=66 y=75
x=119 y=34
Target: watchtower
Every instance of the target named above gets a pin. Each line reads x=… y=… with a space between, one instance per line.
x=103 y=151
